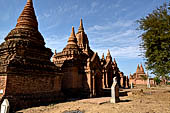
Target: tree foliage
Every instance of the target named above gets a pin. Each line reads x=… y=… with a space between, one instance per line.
x=144 y=77
x=157 y=80
x=156 y=40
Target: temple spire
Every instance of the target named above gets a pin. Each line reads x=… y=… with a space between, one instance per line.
x=141 y=68
x=27 y=19
x=108 y=53
x=55 y=53
x=108 y=57
x=72 y=39
x=72 y=32
x=138 y=69
x=29 y=0
x=81 y=29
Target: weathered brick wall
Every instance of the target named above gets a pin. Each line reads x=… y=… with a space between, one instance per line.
x=2 y=85
x=141 y=81
x=72 y=82
x=144 y=82
x=32 y=90
x=32 y=84
x=71 y=79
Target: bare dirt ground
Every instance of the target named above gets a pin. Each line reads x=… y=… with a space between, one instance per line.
x=139 y=100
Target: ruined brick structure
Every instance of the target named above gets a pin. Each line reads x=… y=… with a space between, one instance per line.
x=27 y=76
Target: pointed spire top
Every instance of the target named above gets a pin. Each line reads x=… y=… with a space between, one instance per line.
x=114 y=61
x=72 y=39
x=108 y=57
x=27 y=19
x=141 y=68
x=72 y=32
x=29 y=0
x=55 y=53
x=138 y=69
x=108 y=53
x=81 y=29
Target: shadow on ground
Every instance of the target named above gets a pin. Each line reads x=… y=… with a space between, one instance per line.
x=125 y=100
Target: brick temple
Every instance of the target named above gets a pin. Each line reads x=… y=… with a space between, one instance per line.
x=140 y=77
x=28 y=77
x=84 y=71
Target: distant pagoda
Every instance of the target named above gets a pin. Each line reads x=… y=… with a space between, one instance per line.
x=27 y=75
x=139 y=76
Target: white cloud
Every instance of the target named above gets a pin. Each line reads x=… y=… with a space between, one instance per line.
x=56 y=42
x=122 y=38
x=98 y=28
x=122 y=43
x=121 y=52
x=109 y=26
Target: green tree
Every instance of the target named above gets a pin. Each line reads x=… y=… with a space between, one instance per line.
x=157 y=80
x=156 y=40
x=144 y=77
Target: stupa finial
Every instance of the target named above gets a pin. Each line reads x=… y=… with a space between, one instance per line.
x=81 y=29
x=27 y=19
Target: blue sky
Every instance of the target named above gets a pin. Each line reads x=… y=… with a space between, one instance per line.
x=109 y=24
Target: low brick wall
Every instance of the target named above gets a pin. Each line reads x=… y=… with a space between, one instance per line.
x=31 y=90
x=141 y=82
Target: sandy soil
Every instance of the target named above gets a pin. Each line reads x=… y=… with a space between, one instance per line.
x=139 y=100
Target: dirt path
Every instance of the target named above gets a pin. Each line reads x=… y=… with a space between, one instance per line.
x=154 y=100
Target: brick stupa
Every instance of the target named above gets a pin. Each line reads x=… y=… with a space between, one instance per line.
x=27 y=75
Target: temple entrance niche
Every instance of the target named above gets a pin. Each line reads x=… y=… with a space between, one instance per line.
x=97 y=83
x=110 y=78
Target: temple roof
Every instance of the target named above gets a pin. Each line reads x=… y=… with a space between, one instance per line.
x=108 y=53
x=81 y=29
x=27 y=26
x=81 y=36
x=27 y=19
x=72 y=41
x=141 y=68
x=138 y=69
